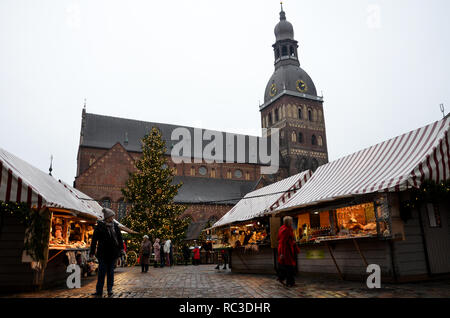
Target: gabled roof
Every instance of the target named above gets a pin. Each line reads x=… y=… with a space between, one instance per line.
x=264 y=200
x=393 y=165
x=100 y=131
x=22 y=182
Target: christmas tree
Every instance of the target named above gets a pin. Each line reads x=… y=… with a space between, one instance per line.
x=151 y=192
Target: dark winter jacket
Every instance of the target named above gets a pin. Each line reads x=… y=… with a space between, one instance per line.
x=103 y=244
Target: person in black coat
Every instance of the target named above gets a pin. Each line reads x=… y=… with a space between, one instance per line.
x=186 y=254
x=107 y=246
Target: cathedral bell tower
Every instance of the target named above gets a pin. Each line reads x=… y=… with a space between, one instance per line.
x=292 y=105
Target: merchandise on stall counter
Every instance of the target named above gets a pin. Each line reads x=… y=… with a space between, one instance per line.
x=245 y=235
x=67 y=232
x=352 y=221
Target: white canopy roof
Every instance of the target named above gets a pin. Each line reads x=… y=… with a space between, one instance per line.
x=21 y=182
x=264 y=200
x=393 y=165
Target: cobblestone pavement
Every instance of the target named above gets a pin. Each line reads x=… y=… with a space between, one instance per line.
x=205 y=282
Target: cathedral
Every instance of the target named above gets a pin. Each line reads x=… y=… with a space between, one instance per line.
x=109 y=146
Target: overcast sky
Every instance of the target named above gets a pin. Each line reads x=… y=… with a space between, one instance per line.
x=383 y=67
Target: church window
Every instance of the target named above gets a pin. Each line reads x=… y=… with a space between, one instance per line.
x=314 y=164
x=122 y=210
x=192 y=171
x=277 y=115
x=300 y=137
x=284 y=50
x=320 y=141
x=314 y=140
x=106 y=203
x=310 y=115
x=238 y=174
x=294 y=136
x=300 y=113
x=270 y=119
x=292 y=51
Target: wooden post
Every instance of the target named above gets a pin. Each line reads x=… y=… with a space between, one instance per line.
x=334 y=260
x=360 y=253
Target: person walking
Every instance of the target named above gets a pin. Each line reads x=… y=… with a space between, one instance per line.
x=107 y=246
x=186 y=254
x=287 y=253
x=167 y=245
x=162 y=256
x=156 y=250
x=144 y=255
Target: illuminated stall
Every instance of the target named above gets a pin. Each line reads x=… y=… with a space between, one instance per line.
x=246 y=230
x=364 y=209
x=45 y=226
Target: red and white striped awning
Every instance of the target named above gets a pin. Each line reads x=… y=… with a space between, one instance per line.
x=21 y=182
x=259 y=202
x=393 y=165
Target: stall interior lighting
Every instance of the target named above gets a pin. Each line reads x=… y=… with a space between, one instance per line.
x=249 y=225
x=316 y=212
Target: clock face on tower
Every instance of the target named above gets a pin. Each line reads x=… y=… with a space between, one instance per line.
x=273 y=90
x=301 y=86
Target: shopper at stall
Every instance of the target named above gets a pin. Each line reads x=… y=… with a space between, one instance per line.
x=196 y=255
x=223 y=258
x=287 y=253
x=167 y=247
x=107 y=245
x=156 y=250
x=146 y=251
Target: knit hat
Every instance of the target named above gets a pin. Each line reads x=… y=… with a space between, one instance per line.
x=108 y=213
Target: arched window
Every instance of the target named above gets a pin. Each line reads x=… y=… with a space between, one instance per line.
x=294 y=136
x=320 y=141
x=213 y=172
x=292 y=50
x=192 y=171
x=314 y=164
x=277 y=115
x=247 y=175
x=313 y=140
x=284 y=50
x=310 y=115
x=300 y=137
x=270 y=119
x=106 y=203
x=300 y=115
x=229 y=175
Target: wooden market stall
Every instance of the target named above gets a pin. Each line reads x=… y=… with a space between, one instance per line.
x=45 y=226
x=245 y=231
x=363 y=209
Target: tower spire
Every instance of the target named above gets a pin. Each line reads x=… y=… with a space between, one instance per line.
x=282 y=13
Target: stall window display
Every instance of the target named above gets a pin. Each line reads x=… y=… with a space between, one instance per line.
x=352 y=221
x=243 y=235
x=66 y=232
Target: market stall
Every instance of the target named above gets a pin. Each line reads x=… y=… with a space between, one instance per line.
x=245 y=231
x=352 y=211
x=45 y=226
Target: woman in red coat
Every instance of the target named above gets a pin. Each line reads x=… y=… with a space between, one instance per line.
x=196 y=255
x=287 y=253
